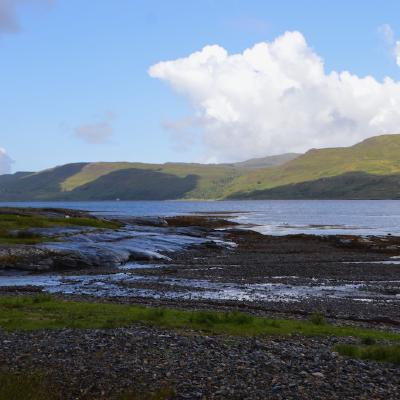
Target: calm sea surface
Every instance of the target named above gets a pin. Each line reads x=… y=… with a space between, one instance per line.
x=278 y=217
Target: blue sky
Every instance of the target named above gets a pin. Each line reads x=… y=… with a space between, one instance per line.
x=76 y=66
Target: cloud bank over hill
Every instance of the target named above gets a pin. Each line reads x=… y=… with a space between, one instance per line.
x=5 y=162
x=276 y=97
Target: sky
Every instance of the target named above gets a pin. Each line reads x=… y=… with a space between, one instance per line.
x=203 y=81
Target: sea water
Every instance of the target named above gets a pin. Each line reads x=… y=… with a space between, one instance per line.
x=269 y=217
x=274 y=217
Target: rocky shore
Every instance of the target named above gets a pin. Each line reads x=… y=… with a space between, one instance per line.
x=202 y=263
x=295 y=262
x=207 y=261
x=102 y=364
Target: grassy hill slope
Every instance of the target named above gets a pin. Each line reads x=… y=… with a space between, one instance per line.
x=210 y=179
x=100 y=181
x=351 y=186
x=379 y=155
x=44 y=185
x=266 y=162
x=126 y=180
x=135 y=183
x=369 y=160
x=211 y=182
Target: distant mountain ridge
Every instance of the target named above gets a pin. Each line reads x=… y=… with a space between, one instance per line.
x=128 y=181
x=367 y=170
x=266 y=162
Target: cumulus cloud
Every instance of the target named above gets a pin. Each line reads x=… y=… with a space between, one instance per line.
x=8 y=13
x=277 y=97
x=397 y=52
x=388 y=36
x=5 y=162
x=387 y=33
x=97 y=132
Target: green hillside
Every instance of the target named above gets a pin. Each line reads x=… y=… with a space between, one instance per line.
x=210 y=179
x=211 y=182
x=265 y=162
x=350 y=186
x=135 y=183
x=105 y=181
x=369 y=169
x=44 y=185
x=129 y=181
x=379 y=155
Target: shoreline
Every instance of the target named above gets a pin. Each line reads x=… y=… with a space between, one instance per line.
x=141 y=360
x=209 y=260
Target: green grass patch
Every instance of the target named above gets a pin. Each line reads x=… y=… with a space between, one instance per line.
x=317 y=318
x=45 y=312
x=14 y=227
x=37 y=386
x=376 y=352
x=16 y=221
x=30 y=386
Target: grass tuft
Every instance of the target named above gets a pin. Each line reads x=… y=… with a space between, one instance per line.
x=317 y=318
x=381 y=353
x=31 y=386
x=36 y=386
x=368 y=341
x=45 y=312
x=41 y=298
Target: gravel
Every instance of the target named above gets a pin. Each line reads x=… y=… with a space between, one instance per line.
x=96 y=364
x=102 y=364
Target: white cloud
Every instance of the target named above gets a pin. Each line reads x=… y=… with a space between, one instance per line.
x=96 y=133
x=5 y=162
x=387 y=33
x=389 y=37
x=397 y=52
x=8 y=13
x=276 y=97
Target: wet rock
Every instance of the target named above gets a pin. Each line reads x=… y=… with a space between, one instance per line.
x=145 y=221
